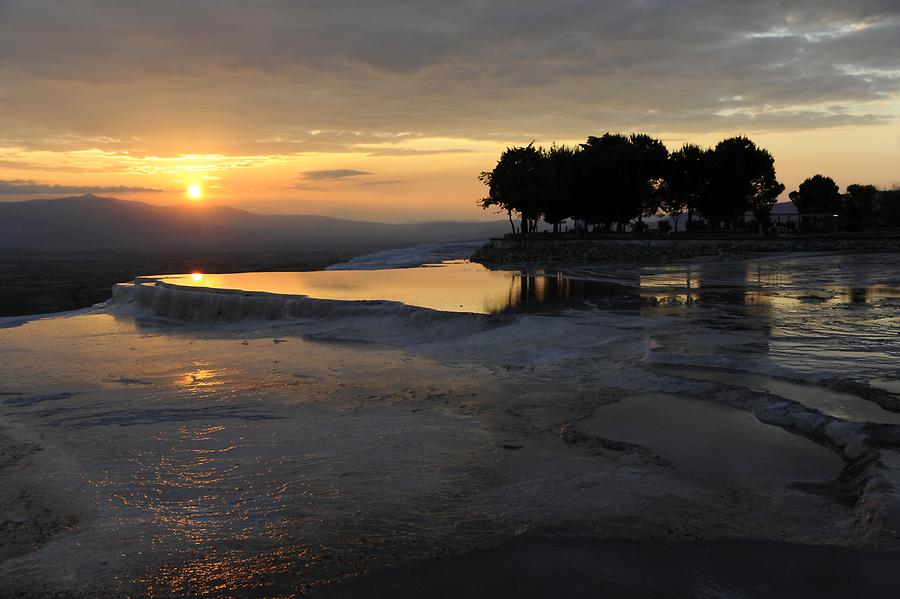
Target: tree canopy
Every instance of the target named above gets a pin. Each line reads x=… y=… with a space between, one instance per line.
x=859 y=205
x=741 y=179
x=515 y=184
x=817 y=195
x=613 y=181
x=616 y=180
x=687 y=181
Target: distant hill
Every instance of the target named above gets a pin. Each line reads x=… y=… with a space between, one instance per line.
x=88 y=223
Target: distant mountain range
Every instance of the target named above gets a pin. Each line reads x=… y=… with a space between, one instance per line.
x=89 y=222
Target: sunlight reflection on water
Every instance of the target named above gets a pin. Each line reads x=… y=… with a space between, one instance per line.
x=225 y=527
x=451 y=286
x=200 y=379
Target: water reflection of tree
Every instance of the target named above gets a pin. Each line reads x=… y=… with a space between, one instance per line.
x=722 y=295
x=761 y=299
x=547 y=291
x=857 y=295
x=674 y=286
x=539 y=289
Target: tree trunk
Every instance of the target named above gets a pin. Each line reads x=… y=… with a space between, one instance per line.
x=511 y=223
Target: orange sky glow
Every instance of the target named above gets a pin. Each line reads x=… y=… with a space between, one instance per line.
x=266 y=111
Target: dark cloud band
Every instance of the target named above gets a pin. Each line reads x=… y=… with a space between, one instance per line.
x=342 y=173
x=24 y=186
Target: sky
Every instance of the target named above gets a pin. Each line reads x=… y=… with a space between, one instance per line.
x=388 y=109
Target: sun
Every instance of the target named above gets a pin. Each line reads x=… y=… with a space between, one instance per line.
x=194 y=191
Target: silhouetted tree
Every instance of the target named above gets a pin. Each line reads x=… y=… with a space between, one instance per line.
x=650 y=169
x=742 y=178
x=887 y=207
x=818 y=194
x=515 y=185
x=618 y=179
x=560 y=183
x=495 y=197
x=604 y=161
x=687 y=180
x=858 y=206
x=625 y=178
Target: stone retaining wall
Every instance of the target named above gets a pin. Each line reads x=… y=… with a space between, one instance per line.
x=520 y=251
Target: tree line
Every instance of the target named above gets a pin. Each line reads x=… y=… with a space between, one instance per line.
x=612 y=182
x=860 y=207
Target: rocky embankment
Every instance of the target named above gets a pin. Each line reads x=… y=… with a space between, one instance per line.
x=554 y=250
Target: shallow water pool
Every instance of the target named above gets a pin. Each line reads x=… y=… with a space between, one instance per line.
x=450 y=286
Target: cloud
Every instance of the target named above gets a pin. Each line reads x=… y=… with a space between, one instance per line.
x=306 y=187
x=506 y=70
x=27 y=186
x=382 y=182
x=391 y=151
x=341 y=173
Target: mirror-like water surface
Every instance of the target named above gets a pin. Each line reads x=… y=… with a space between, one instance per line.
x=451 y=286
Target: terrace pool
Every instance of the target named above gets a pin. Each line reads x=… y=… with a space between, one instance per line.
x=449 y=286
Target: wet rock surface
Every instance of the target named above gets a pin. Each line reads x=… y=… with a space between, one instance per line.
x=202 y=458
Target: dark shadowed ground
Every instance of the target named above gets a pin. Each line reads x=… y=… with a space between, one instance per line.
x=626 y=569
x=37 y=283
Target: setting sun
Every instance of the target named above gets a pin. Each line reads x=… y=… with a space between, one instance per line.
x=195 y=192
